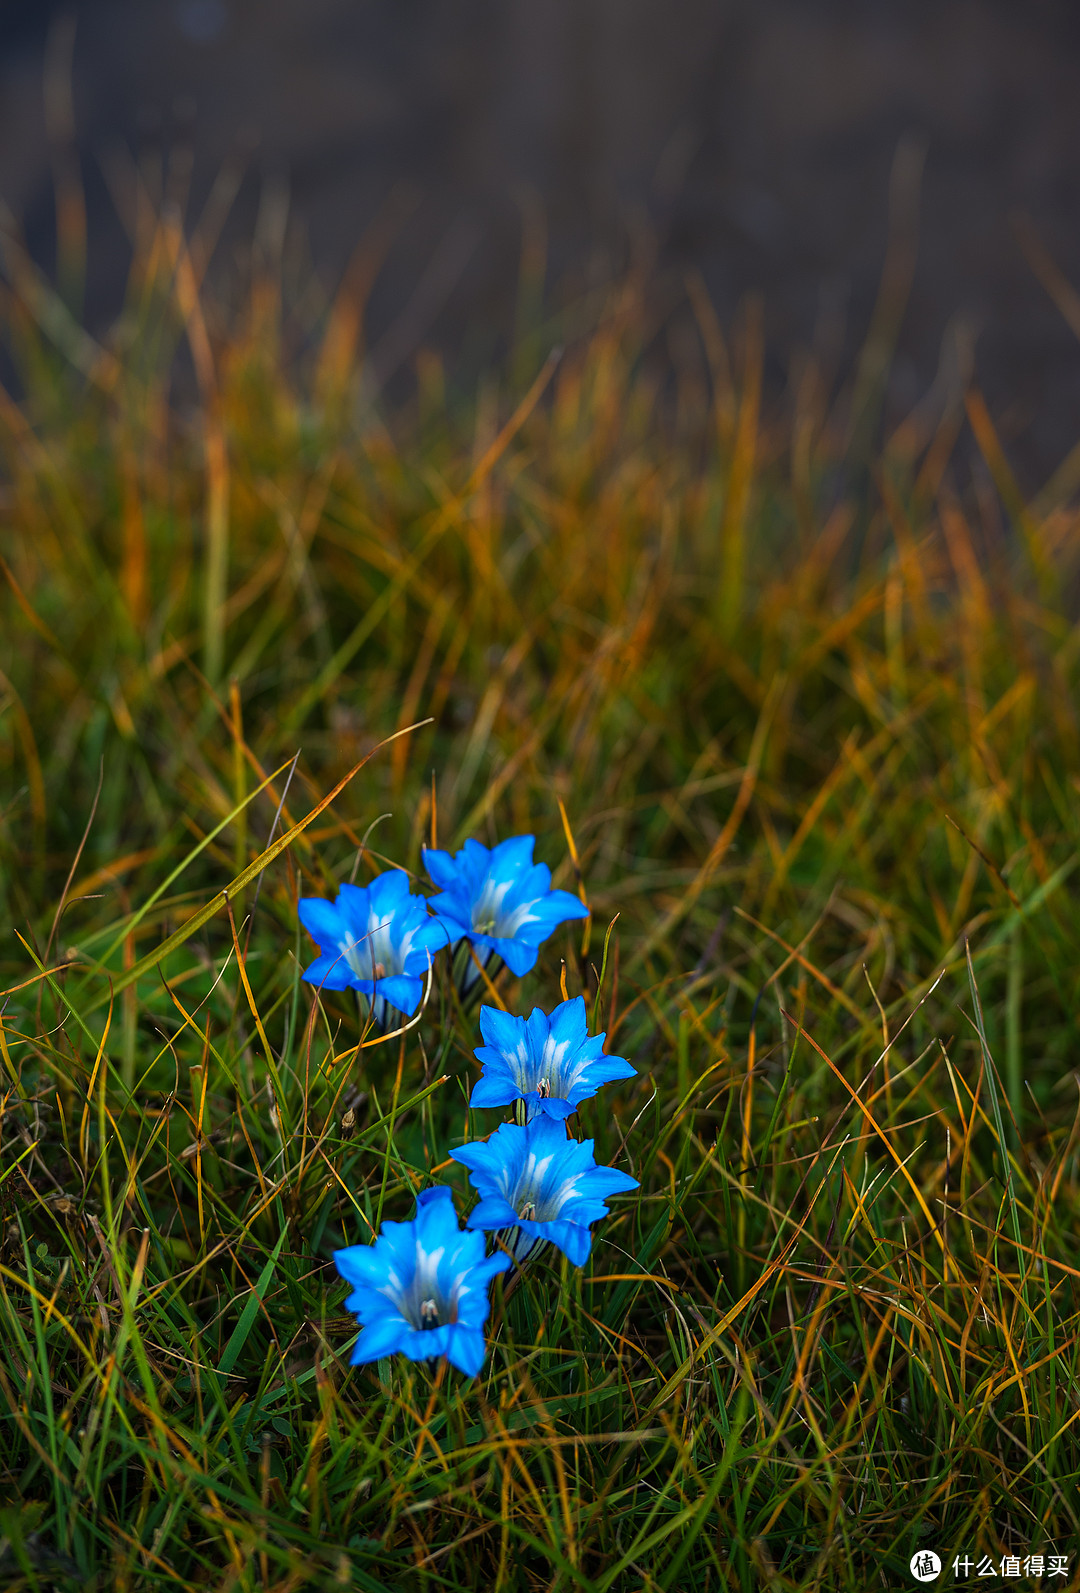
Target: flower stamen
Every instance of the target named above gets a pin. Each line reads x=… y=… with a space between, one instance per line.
x=429 y=1314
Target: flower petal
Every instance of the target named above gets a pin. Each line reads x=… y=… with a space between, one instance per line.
x=321 y=920
x=546 y=913
x=492 y=1212
x=573 y=1239
x=379 y=1339
x=568 y=1024
x=512 y=856
x=488 y=1160
x=494 y=1089
x=454 y=921
x=465 y=1348
x=501 y=1030
x=605 y=1070
x=436 y=1199
x=352 y=907
x=550 y=1105
x=518 y=956
x=388 y=890
x=440 y=866
x=329 y=972
x=401 y=992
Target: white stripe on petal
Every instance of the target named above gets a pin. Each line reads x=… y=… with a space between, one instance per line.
x=508 y=924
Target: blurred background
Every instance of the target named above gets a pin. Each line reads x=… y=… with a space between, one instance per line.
x=768 y=145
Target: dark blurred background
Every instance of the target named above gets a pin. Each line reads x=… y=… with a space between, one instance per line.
x=756 y=140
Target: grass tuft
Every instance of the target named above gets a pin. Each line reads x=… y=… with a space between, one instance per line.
x=809 y=753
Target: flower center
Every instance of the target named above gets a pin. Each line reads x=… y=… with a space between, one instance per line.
x=380 y=971
x=528 y=1210
x=485 y=926
x=543 y=1089
x=429 y=1314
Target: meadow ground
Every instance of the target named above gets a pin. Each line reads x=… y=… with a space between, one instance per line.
x=795 y=716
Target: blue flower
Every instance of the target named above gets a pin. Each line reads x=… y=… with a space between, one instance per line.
x=536 y=1184
x=552 y=1064
x=376 y=940
x=422 y=1287
x=499 y=900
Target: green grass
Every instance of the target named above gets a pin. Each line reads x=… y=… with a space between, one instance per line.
x=817 y=758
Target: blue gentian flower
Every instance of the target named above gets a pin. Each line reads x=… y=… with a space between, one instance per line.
x=499 y=900
x=550 y=1063
x=377 y=940
x=422 y=1287
x=536 y=1184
